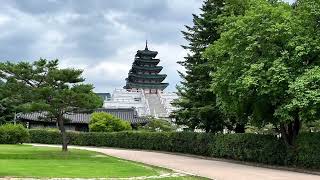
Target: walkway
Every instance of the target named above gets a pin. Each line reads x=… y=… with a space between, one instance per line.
x=206 y=168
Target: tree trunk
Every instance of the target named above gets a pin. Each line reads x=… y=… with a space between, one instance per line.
x=63 y=134
x=290 y=131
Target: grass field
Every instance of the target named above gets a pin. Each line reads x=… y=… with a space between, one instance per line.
x=40 y=162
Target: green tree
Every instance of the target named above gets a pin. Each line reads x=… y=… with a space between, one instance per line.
x=13 y=134
x=105 y=122
x=262 y=57
x=159 y=125
x=10 y=99
x=5 y=113
x=312 y=126
x=303 y=102
x=197 y=107
x=42 y=86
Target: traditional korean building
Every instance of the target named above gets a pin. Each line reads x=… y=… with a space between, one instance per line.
x=79 y=121
x=145 y=73
x=143 y=95
x=144 y=89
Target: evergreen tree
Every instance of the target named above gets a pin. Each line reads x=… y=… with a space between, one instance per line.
x=9 y=101
x=43 y=86
x=196 y=105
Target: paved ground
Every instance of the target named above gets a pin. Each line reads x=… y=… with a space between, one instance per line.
x=206 y=168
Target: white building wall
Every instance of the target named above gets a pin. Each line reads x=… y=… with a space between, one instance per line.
x=122 y=98
x=166 y=99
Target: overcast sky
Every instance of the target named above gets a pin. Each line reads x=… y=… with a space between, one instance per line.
x=99 y=36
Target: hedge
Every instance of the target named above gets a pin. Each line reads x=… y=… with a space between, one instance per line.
x=264 y=149
x=13 y=134
x=308 y=152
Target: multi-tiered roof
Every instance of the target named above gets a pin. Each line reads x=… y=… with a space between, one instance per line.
x=144 y=73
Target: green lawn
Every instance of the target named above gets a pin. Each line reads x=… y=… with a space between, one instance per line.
x=29 y=161
x=40 y=162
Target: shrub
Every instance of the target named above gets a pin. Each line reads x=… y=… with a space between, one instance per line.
x=104 y=122
x=158 y=125
x=13 y=134
x=191 y=143
x=45 y=136
x=307 y=152
x=265 y=149
x=249 y=147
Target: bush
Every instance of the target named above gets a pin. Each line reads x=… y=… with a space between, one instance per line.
x=158 y=125
x=104 y=122
x=45 y=136
x=249 y=147
x=308 y=150
x=265 y=149
x=13 y=134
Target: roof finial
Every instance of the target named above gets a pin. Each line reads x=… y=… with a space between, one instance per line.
x=146 y=48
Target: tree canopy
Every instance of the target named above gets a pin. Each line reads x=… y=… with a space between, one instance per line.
x=43 y=86
x=159 y=125
x=105 y=122
x=196 y=105
x=266 y=64
x=252 y=62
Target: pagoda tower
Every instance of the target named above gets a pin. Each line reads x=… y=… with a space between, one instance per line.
x=144 y=73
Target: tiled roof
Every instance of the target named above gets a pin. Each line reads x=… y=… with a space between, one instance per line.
x=146 y=52
x=147 y=85
x=127 y=114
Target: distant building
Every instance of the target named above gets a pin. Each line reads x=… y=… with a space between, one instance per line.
x=104 y=96
x=78 y=121
x=144 y=89
x=144 y=73
x=143 y=95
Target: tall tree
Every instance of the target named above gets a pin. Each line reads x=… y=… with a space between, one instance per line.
x=45 y=87
x=263 y=59
x=302 y=102
x=197 y=107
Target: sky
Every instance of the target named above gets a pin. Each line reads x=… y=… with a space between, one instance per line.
x=99 y=36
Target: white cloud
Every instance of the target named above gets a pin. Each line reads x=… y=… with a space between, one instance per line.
x=101 y=38
x=110 y=75
x=4 y=19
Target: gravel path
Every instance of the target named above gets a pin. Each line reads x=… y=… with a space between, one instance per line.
x=206 y=168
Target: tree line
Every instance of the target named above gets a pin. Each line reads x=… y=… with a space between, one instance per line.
x=251 y=62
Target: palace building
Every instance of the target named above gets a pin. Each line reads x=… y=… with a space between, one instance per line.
x=144 y=89
x=79 y=121
x=144 y=73
x=141 y=97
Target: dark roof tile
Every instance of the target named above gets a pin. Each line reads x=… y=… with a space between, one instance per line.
x=127 y=114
